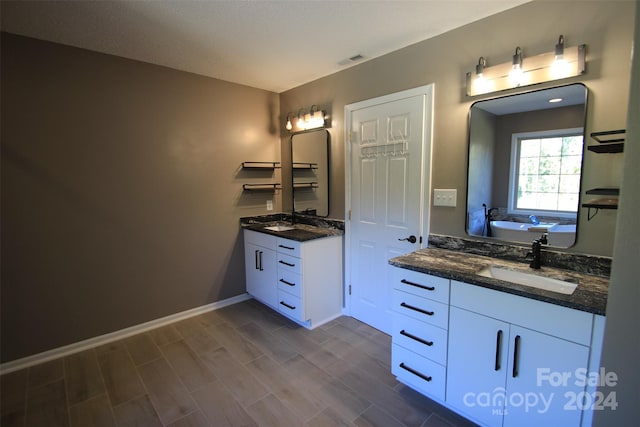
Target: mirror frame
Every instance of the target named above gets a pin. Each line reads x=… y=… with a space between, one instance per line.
x=328 y=170
x=469 y=160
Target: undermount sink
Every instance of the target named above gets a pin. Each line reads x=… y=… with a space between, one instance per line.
x=280 y=228
x=528 y=279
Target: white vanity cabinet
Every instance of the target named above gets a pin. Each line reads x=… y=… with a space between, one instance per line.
x=420 y=323
x=514 y=361
x=260 y=266
x=303 y=280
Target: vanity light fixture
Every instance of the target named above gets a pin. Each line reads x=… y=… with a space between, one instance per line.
x=289 y=126
x=516 y=75
x=561 y=63
x=300 y=122
x=314 y=119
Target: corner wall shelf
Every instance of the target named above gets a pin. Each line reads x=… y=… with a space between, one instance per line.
x=611 y=141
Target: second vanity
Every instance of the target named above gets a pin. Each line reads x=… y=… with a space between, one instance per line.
x=498 y=353
x=296 y=270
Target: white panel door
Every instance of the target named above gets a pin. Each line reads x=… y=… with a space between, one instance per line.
x=389 y=172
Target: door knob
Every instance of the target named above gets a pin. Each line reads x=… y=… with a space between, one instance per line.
x=410 y=239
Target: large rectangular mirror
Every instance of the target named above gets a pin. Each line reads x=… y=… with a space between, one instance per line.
x=310 y=172
x=525 y=165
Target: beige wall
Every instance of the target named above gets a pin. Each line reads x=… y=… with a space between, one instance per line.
x=606 y=28
x=121 y=191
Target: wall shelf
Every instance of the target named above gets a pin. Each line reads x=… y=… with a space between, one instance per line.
x=260 y=165
x=262 y=187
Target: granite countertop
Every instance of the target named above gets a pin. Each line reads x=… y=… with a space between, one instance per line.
x=301 y=232
x=589 y=296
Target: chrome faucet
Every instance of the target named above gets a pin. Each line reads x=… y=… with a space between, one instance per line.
x=536 y=251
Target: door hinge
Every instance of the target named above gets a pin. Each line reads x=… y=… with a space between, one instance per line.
x=349 y=214
x=350 y=136
x=349 y=289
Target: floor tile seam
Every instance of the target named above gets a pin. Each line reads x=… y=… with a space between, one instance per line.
x=173 y=368
x=275 y=393
x=150 y=396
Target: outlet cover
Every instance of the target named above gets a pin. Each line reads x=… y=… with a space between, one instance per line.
x=445 y=197
x=269 y=205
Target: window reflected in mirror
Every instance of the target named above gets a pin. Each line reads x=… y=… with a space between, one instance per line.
x=525 y=165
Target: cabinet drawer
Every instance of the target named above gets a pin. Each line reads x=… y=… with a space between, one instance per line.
x=422 y=338
x=260 y=239
x=289 y=263
x=290 y=247
x=290 y=306
x=421 y=284
x=290 y=282
x=423 y=309
x=418 y=372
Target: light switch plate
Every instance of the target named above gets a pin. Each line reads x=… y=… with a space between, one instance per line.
x=269 y=205
x=445 y=197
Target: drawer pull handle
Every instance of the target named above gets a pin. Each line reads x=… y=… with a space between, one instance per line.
x=287 y=283
x=413 y=337
x=287 y=305
x=414 y=372
x=419 y=310
x=498 y=349
x=286 y=247
x=428 y=288
x=516 y=356
x=286 y=263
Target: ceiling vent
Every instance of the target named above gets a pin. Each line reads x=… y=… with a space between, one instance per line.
x=351 y=60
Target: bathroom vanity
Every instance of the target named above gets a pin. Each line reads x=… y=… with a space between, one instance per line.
x=295 y=270
x=499 y=353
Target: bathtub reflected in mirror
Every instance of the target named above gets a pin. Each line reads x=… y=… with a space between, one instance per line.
x=525 y=165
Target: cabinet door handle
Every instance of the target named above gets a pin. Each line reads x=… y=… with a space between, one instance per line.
x=261 y=269
x=286 y=263
x=419 y=310
x=257 y=262
x=428 y=288
x=286 y=247
x=414 y=372
x=413 y=337
x=287 y=283
x=516 y=356
x=292 y=307
x=498 y=349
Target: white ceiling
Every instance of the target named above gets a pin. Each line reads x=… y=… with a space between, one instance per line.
x=270 y=44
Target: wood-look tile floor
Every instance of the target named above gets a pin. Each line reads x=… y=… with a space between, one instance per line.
x=243 y=365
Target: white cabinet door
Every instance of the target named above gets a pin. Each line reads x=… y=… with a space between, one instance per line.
x=506 y=375
x=477 y=365
x=541 y=379
x=260 y=267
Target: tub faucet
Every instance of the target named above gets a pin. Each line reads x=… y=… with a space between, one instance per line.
x=536 y=251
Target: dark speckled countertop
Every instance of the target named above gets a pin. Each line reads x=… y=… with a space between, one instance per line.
x=314 y=228
x=589 y=296
x=301 y=232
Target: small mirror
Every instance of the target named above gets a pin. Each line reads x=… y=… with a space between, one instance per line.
x=310 y=172
x=525 y=165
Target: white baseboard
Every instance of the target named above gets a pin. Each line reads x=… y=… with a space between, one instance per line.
x=76 y=347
